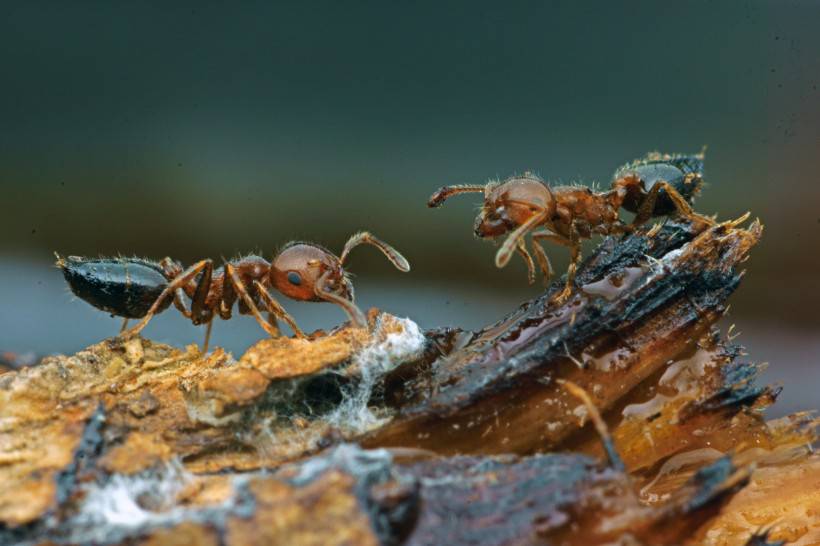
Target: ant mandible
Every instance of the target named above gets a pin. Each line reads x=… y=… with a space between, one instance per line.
x=137 y=288
x=657 y=185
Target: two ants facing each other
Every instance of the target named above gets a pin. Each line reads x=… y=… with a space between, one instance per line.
x=658 y=185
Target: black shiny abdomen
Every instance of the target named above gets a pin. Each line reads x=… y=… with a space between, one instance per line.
x=673 y=170
x=126 y=287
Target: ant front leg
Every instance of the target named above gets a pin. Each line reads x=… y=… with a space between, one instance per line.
x=180 y=281
x=357 y=318
x=502 y=257
x=574 y=244
x=541 y=254
x=522 y=251
x=275 y=310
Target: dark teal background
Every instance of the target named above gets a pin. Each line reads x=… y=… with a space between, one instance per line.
x=200 y=129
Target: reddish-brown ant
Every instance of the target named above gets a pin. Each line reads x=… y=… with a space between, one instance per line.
x=655 y=186
x=137 y=288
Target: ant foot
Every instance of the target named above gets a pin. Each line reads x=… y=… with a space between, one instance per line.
x=654 y=231
x=562 y=296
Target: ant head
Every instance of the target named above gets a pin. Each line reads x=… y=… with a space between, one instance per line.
x=309 y=272
x=298 y=268
x=511 y=203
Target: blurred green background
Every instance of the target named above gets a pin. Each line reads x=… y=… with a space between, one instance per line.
x=196 y=130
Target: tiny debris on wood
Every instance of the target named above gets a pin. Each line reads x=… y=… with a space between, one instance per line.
x=387 y=434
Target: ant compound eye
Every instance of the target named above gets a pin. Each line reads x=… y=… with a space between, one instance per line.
x=294 y=278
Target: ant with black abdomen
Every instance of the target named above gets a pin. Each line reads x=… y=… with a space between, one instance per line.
x=655 y=186
x=137 y=288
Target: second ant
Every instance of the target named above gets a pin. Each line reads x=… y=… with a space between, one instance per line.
x=658 y=185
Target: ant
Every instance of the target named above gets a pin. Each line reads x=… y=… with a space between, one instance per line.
x=138 y=288
x=657 y=185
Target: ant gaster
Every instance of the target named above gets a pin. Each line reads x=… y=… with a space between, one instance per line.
x=137 y=288
x=655 y=186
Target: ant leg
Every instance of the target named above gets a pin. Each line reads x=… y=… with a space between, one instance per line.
x=238 y=285
x=171 y=270
x=124 y=324
x=543 y=262
x=575 y=259
x=502 y=257
x=275 y=310
x=273 y=321
x=522 y=250
x=178 y=282
x=647 y=206
x=574 y=244
x=179 y=303
x=207 y=337
x=442 y=194
x=200 y=312
x=683 y=206
x=541 y=254
x=357 y=318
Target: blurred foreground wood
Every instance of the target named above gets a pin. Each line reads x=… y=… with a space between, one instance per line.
x=397 y=436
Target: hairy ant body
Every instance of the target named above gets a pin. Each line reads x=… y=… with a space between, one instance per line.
x=137 y=288
x=657 y=185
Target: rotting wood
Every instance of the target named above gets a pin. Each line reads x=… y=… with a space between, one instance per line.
x=221 y=435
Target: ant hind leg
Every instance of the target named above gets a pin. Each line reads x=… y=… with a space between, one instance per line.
x=683 y=206
x=647 y=208
x=179 y=303
x=180 y=281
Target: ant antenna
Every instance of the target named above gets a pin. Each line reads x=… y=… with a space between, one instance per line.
x=365 y=237
x=444 y=193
